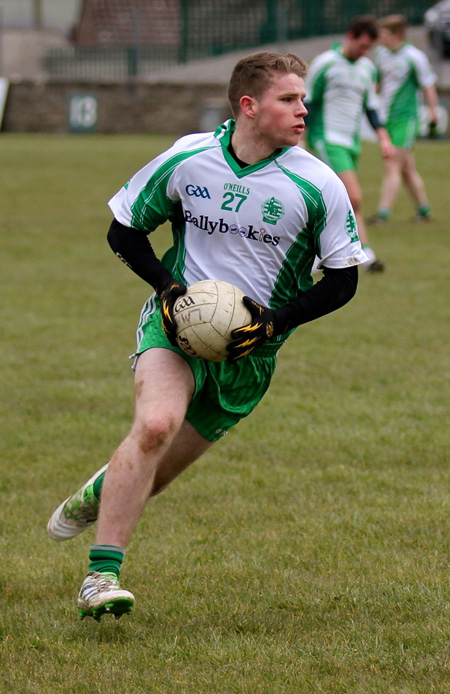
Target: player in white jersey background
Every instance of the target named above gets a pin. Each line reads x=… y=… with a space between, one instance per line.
x=340 y=86
x=248 y=206
x=403 y=72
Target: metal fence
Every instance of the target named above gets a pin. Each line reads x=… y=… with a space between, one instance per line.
x=108 y=63
x=211 y=28
x=214 y=27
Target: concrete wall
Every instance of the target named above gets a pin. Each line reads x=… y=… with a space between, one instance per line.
x=131 y=107
x=53 y=107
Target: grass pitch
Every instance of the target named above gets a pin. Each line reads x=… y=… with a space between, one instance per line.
x=308 y=551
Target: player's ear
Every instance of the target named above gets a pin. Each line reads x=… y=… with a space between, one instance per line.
x=248 y=106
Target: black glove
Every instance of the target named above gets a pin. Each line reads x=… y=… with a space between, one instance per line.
x=168 y=296
x=433 y=131
x=261 y=328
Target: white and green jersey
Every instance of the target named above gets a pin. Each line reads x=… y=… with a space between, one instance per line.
x=401 y=74
x=338 y=90
x=258 y=227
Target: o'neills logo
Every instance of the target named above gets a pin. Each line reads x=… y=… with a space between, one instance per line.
x=204 y=223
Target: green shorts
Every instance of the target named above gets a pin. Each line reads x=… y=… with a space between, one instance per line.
x=224 y=393
x=337 y=157
x=403 y=132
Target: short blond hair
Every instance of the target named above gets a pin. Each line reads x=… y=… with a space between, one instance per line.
x=254 y=74
x=395 y=23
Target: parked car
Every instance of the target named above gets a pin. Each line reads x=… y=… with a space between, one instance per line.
x=437 y=23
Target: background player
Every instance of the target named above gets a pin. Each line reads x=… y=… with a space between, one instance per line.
x=403 y=71
x=340 y=86
x=248 y=206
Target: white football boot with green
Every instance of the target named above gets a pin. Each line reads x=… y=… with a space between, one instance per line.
x=78 y=512
x=101 y=594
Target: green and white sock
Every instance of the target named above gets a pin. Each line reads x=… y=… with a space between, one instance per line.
x=106 y=559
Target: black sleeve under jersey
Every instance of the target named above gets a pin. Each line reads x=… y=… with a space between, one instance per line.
x=373 y=118
x=333 y=291
x=133 y=248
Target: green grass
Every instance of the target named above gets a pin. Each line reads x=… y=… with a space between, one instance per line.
x=308 y=551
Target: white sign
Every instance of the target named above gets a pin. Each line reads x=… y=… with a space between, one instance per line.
x=82 y=112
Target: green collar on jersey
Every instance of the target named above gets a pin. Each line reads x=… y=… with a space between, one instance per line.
x=339 y=48
x=224 y=133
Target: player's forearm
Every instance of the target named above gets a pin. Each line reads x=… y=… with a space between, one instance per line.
x=333 y=291
x=133 y=248
x=431 y=99
x=386 y=146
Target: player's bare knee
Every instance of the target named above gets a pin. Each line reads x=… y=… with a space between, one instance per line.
x=155 y=433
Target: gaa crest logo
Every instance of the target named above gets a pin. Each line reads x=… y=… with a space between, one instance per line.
x=351 y=228
x=272 y=210
x=198 y=191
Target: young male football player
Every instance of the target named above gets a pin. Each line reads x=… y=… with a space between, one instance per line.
x=247 y=206
x=340 y=87
x=403 y=72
